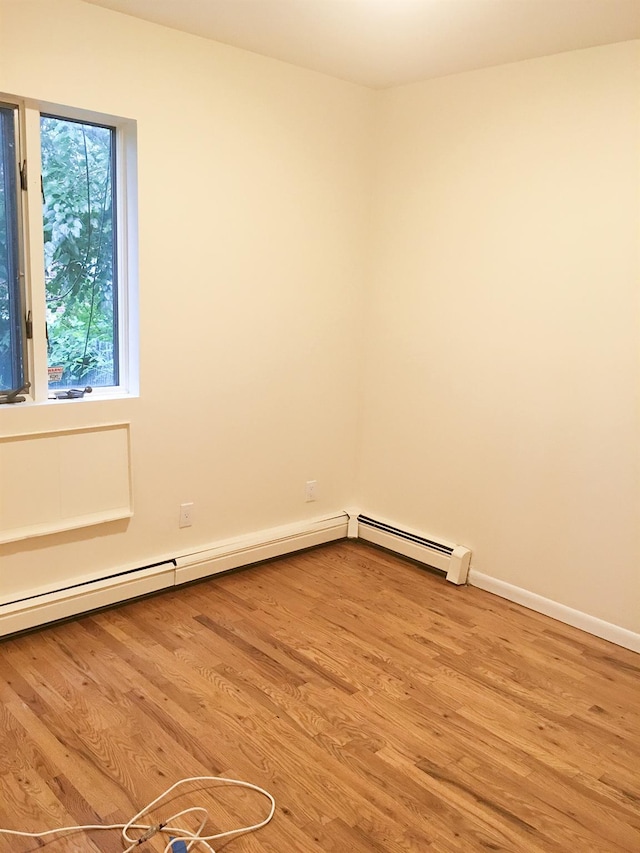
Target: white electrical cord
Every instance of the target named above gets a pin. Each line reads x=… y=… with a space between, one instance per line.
x=177 y=833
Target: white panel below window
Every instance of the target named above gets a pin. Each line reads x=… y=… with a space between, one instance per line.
x=63 y=480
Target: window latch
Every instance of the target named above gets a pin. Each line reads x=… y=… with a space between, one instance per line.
x=28 y=326
x=15 y=396
x=23 y=175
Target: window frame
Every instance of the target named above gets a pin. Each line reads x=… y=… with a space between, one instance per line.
x=32 y=246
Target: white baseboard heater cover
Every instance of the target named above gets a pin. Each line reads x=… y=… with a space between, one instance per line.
x=264 y=545
x=451 y=559
x=40 y=606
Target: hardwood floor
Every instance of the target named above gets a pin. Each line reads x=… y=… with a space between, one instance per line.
x=385 y=709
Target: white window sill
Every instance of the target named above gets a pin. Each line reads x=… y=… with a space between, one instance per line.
x=94 y=397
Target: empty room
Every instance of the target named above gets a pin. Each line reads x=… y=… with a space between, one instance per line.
x=320 y=425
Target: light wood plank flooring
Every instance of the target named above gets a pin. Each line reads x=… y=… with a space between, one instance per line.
x=385 y=709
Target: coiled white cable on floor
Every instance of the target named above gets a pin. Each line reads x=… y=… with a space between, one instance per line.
x=168 y=827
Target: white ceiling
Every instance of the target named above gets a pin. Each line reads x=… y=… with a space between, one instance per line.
x=381 y=43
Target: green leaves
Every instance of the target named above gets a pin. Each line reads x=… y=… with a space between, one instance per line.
x=78 y=224
x=11 y=369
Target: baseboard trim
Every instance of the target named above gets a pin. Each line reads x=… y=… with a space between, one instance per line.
x=591 y=624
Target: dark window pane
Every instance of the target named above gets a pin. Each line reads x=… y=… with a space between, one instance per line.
x=80 y=252
x=11 y=343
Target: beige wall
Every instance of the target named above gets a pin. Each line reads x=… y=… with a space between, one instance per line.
x=252 y=178
x=501 y=403
x=495 y=275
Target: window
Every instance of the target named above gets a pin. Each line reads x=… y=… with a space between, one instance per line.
x=67 y=251
x=80 y=248
x=11 y=328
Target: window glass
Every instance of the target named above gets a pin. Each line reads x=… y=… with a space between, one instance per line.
x=78 y=189
x=11 y=320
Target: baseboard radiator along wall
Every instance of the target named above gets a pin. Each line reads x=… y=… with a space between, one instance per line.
x=253 y=548
x=41 y=606
x=451 y=559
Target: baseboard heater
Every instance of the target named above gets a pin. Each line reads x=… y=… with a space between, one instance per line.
x=451 y=559
x=42 y=607
x=263 y=545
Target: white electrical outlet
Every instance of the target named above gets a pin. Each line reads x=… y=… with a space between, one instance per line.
x=311 y=491
x=186 y=514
